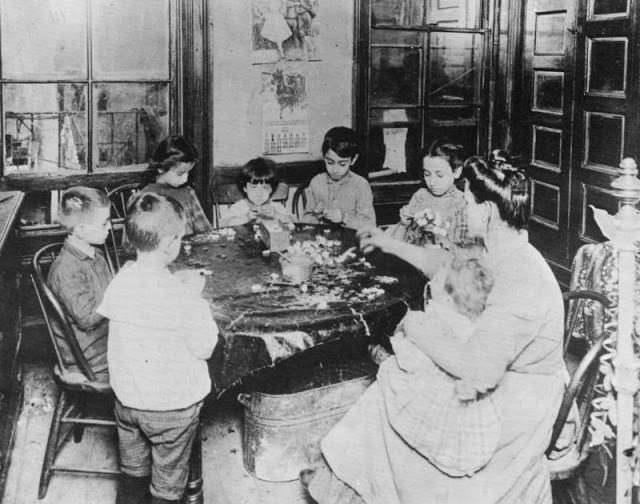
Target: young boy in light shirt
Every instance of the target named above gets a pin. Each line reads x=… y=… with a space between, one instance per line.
x=338 y=195
x=161 y=335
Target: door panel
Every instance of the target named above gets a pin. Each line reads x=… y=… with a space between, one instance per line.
x=548 y=85
x=605 y=116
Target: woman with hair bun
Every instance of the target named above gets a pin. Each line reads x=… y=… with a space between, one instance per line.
x=513 y=355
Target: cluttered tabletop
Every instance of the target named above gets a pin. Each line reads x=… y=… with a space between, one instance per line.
x=274 y=297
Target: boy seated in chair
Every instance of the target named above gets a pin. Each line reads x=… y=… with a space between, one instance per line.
x=80 y=274
x=338 y=195
x=160 y=337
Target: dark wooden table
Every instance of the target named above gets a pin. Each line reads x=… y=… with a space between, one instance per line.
x=262 y=323
x=259 y=328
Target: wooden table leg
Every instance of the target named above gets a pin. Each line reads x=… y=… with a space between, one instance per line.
x=193 y=493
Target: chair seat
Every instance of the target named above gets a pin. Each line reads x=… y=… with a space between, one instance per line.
x=75 y=380
x=566 y=465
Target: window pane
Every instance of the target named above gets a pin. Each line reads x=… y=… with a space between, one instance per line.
x=396 y=149
x=454 y=68
x=395 y=76
x=395 y=37
x=453 y=13
x=399 y=12
x=130 y=39
x=465 y=135
x=130 y=120
x=44 y=39
x=45 y=127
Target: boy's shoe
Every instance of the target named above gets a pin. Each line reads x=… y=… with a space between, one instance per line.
x=378 y=354
x=133 y=490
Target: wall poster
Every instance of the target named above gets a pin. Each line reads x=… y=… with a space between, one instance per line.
x=285 y=30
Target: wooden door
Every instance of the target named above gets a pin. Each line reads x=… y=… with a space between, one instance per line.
x=606 y=116
x=546 y=129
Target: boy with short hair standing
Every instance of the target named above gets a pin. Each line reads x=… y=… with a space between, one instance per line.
x=339 y=195
x=161 y=335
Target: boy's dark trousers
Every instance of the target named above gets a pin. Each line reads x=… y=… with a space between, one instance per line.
x=156 y=445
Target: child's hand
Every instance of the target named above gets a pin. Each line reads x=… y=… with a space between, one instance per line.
x=193 y=279
x=319 y=210
x=333 y=214
x=267 y=211
x=253 y=213
x=405 y=216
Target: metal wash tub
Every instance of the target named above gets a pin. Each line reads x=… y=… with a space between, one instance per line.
x=282 y=431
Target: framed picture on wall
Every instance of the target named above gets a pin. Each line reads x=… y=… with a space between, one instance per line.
x=285 y=30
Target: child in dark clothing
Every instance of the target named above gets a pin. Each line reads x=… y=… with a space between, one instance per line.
x=80 y=274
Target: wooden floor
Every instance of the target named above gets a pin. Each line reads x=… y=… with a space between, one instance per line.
x=225 y=480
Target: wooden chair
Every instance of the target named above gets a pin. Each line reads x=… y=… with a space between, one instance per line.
x=566 y=463
x=299 y=200
x=78 y=389
x=228 y=194
x=119 y=197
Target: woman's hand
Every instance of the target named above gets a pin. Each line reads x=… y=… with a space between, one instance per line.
x=373 y=238
x=405 y=216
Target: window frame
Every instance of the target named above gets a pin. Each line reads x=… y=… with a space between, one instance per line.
x=108 y=175
x=362 y=100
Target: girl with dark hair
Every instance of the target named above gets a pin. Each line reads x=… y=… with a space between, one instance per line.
x=513 y=355
x=169 y=169
x=257 y=181
x=435 y=214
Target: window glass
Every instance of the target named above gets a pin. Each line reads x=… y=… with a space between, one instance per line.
x=395 y=141
x=130 y=121
x=130 y=39
x=399 y=12
x=395 y=75
x=43 y=39
x=395 y=37
x=45 y=127
x=454 y=68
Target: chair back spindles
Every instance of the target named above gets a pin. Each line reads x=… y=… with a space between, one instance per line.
x=119 y=197
x=299 y=200
x=566 y=462
x=53 y=311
